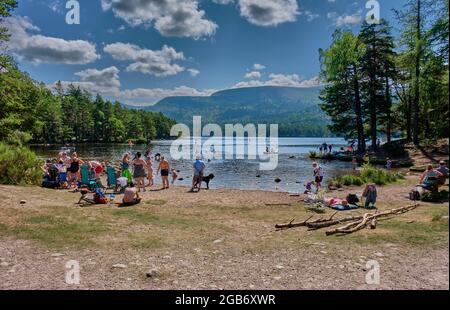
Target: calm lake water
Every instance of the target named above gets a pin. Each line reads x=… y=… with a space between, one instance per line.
x=294 y=166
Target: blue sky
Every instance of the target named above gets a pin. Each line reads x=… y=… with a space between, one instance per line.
x=139 y=51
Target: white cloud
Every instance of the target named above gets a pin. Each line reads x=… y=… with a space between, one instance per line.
x=37 y=48
x=173 y=18
x=193 y=72
x=283 y=80
x=269 y=12
x=348 y=20
x=157 y=63
x=223 y=1
x=253 y=75
x=310 y=16
x=258 y=67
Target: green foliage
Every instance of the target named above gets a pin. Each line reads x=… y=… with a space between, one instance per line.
x=369 y=174
x=438 y=197
x=70 y=115
x=19 y=166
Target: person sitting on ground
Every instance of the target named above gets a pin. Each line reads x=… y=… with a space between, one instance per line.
x=430 y=179
x=131 y=196
x=199 y=170
x=370 y=194
x=388 y=163
x=444 y=170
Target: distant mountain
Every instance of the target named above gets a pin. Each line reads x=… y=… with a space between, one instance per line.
x=296 y=110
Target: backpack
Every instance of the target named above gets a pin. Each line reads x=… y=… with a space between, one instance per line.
x=414 y=195
x=352 y=199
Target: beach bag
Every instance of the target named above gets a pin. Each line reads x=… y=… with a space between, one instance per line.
x=414 y=195
x=352 y=199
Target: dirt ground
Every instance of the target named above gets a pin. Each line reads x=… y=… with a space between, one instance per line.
x=217 y=239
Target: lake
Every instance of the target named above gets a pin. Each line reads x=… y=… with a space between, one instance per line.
x=294 y=166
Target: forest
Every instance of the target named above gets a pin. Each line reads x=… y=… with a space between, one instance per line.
x=31 y=112
x=378 y=84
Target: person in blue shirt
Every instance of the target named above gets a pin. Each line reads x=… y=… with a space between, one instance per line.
x=199 y=169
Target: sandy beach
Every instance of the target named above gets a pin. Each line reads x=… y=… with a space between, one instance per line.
x=217 y=239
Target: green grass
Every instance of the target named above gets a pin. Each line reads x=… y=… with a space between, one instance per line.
x=55 y=231
x=368 y=174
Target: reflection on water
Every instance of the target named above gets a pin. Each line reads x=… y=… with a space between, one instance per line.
x=294 y=166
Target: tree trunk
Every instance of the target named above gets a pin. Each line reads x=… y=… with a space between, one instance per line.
x=417 y=74
x=409 y=119
x=358 y=112
x=388 y=112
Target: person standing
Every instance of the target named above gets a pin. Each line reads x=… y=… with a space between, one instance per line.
x=199 y=170
x=149 y=164
x=139 y=171
x=164 y=167
x=318 y=176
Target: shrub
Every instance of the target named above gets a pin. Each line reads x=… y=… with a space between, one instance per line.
x=369 y=174
x=19 y=166
x=438 y=197
x=312 y=154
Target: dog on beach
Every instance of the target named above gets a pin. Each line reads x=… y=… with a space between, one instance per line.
x=206 y=179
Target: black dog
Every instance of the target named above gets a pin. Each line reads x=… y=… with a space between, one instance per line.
x=206 y=179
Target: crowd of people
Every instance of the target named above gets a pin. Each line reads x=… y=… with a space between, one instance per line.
x=136 y=173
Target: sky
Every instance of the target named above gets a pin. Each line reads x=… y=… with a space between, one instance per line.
x=140 y=51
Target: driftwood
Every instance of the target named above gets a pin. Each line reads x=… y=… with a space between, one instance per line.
x=357 y=223
x=368 y=219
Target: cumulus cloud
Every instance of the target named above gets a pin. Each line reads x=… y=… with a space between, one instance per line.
x=36 y=48
x=292 y=80
x=253 y=75
x=269 y=12
x=174 y=18
x=106 y=82
x=158 y=63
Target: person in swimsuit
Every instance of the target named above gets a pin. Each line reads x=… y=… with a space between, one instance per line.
x=131 y=197
x=125 y=165
x=74 y=169
x=164 y=167
x=139 y=171
x=149 y=164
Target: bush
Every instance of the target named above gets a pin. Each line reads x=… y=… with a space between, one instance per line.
x=438 y=197
x=312 y=154
x=19 y=166
x=369 y=174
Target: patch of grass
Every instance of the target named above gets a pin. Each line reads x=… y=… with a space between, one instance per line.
x=316 y=209
x=58 y=232
x=156 y=202
x=144 y=241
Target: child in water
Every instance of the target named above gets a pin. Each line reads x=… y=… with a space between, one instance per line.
x=174 y=176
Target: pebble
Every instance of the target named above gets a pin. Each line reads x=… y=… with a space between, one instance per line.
x=4 y=264
x=120 y=266
x=379 y=254
x=218 y=241
x=279 y=267
x=57 y=255
x=22 y=202
x=277 y=278
x=152 y=273
x=324 y=252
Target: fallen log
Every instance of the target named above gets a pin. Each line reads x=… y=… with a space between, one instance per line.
x=291 y=224
x=368 y=218
x=323 y=224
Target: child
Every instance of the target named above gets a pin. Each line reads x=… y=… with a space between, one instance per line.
x=174 y=176
x=388 y=163
x=308 y=187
